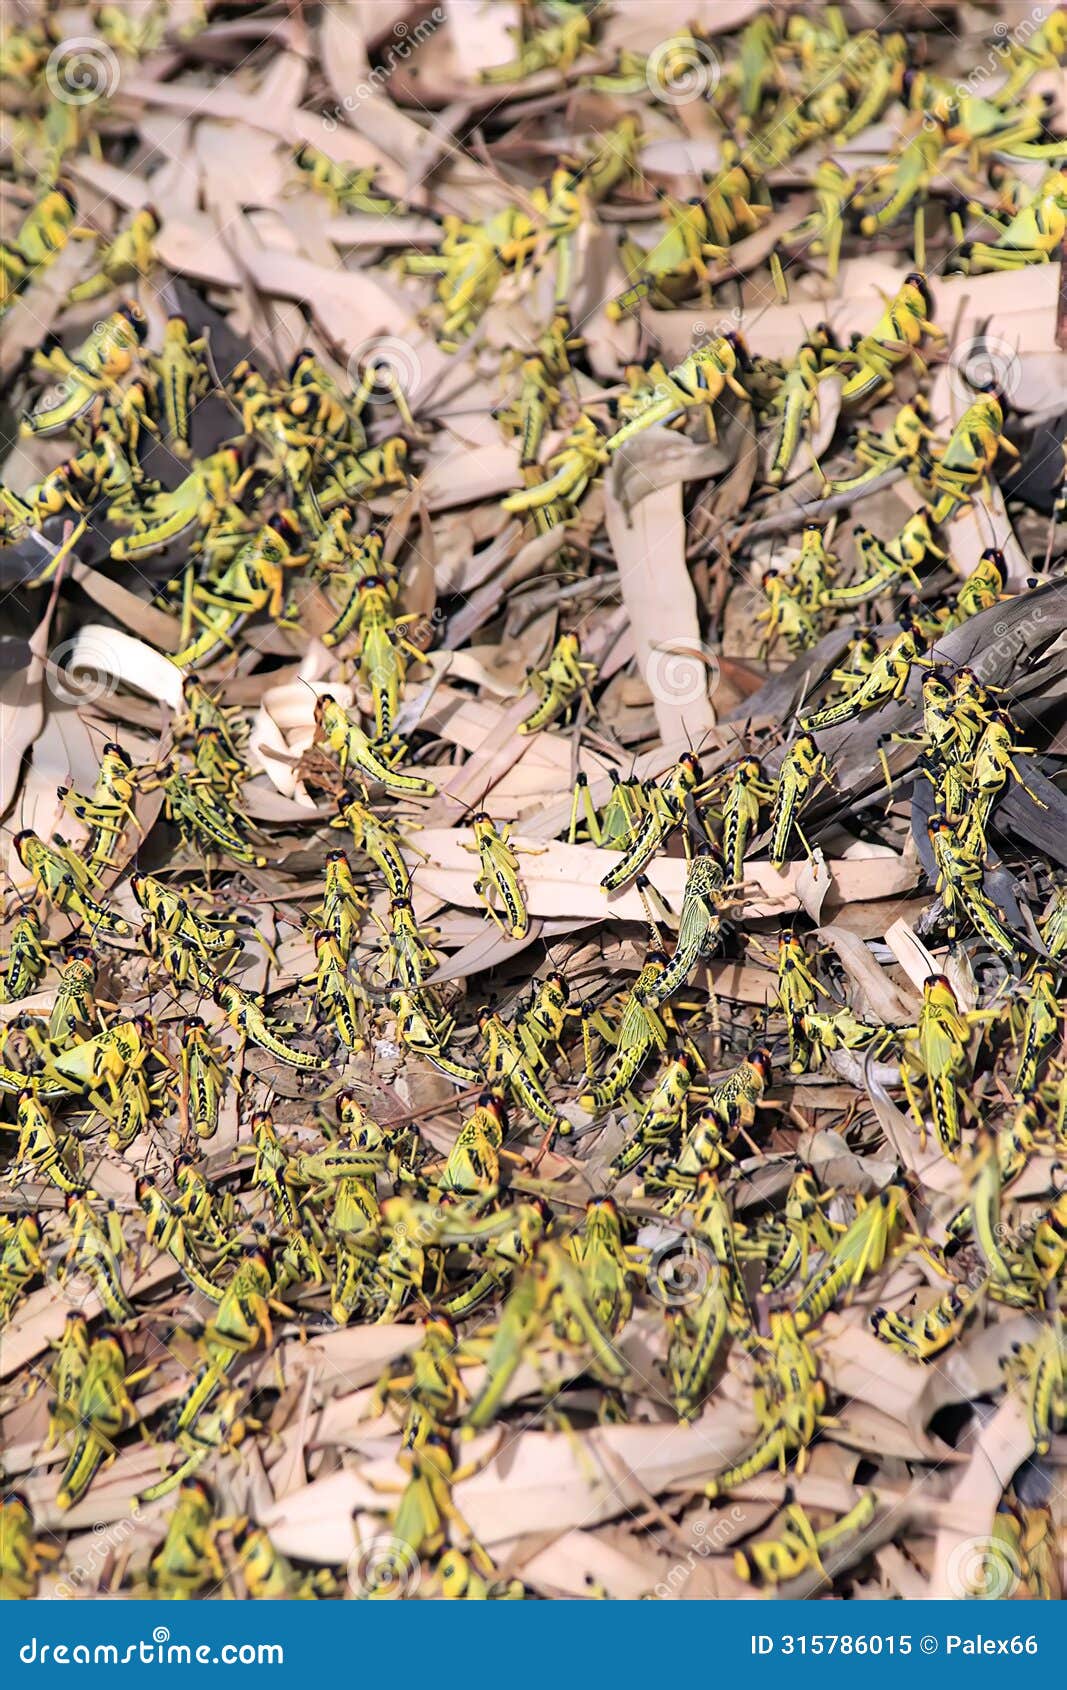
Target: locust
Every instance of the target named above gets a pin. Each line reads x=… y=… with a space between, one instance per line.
x=181 y=381
x=1043 y=1024
x=666 y=811
x=26 y=959
x=696 y=383
x=248 y=1018
x=93 y=368
x=108 y=812
x=426 y=1031
x=661 y=1120
x=992 y=769
x=798 y=992
x=959 y=882
x=818 y=1032
x=379 y=840
x=871 y=364
x=507 y=1067
x=104 y=1409
x=97 y=1250
x=555 y=47
x=253 y=581
x=346 y=739
x=165 y=1230
x=730 y=1109
x=188 y=1559
x=959 y=468
x=124 y=259
x=550 y=1290
x=473 y=1163
x=21 y=1262
x=382 y=649
x=617 y=826
x=64 y=881
x=699 y=921
x=928 y=1332
x=408 y=952
x=564 y=678
x=860 y=1251
x=499 y=879
x=804 y=767
x=171 y=913
x=698 y=1328
x=799 y=1546
x=203 y=503
x=900 y=443
x=44 y=1150
x=887 y=679
x=890 y=560
x=1040 y=1368
x=805 y=1229
x=347 y=188
x=789 y=1398
x=335 y=997
x=641 y=1029
x=744 y=795
x=554 y=497
x=821 y=232
x=23 y=1555
x=270 y=1576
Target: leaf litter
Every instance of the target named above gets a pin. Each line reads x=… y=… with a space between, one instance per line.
x=454 y=457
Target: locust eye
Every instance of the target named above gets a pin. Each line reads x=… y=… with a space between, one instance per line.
x=135 y=317
x=923 y=288
x=282 y=525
